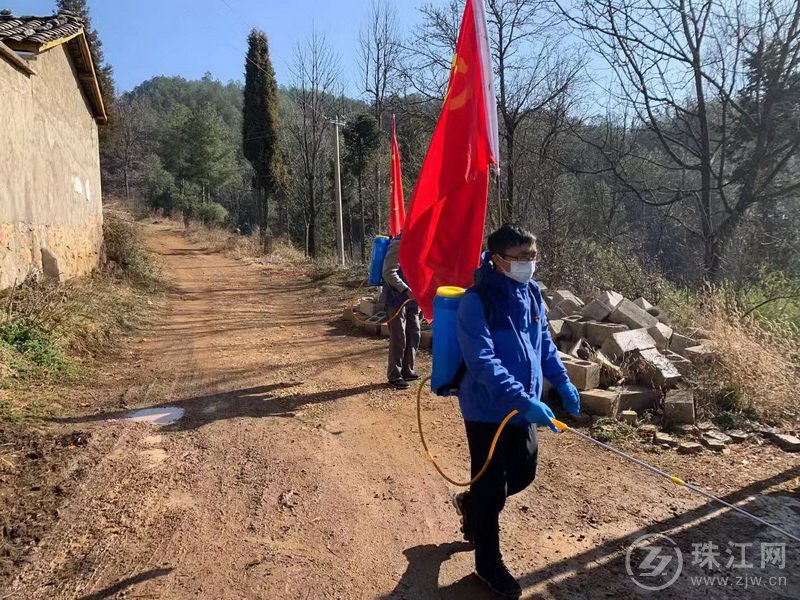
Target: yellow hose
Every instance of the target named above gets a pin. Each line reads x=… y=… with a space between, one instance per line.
x=433 y=460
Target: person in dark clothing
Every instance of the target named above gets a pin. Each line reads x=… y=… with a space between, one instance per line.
x=404 y=329
x=507 y=349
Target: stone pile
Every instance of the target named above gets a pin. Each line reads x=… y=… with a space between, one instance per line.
x=370 y=315
x=623 y=355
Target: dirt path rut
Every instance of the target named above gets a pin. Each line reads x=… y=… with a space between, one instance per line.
x=295 y=474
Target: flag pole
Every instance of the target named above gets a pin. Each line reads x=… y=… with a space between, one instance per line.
x=499 y=200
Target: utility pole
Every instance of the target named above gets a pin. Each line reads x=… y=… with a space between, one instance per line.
x=337 y=175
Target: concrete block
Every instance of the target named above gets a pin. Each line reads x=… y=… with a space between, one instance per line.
x=699 y=354
x=679 y=343
x=653 y=368
x=718 y=436
x=629 y=417
x=647 y=429
x=577 y=328
x=599 y=402
x=631 y=315
x=679 y=407
x=665 y=439
x=786 y=442
x=561 y=295
x=684 y=365
x=598 y=333
x=564 y=345
x=610 y=374
x=623 y=342
x=368 y=306
x=569 y=307
x=359 y=319
x=646 y=306
x=583 y=374
x=689 y=448
x=737 y=436
x=600 y=308
x=713 y=444
x=580 y=349
x=638 y=398
x=385 y=330
x=685 y=429
x=555 y=313
x=662 y=334
x=557 y=328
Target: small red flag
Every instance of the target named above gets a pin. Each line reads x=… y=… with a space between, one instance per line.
x=443 y=233
x=397 y=207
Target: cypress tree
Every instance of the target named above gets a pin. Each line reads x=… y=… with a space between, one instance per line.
x=260 y=126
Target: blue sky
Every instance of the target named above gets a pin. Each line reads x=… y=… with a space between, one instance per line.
x=143 y=38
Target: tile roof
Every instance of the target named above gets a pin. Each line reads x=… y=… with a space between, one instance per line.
x=39 y=34
x=39 y=30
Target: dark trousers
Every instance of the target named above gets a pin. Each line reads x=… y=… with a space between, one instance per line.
x=404 y=333
x=512 y=469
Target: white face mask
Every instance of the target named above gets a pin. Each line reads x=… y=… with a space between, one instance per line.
x=521 y=272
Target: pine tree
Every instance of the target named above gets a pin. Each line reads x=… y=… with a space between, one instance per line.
x=260 y=127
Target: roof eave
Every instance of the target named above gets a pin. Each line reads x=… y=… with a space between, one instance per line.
x=11 y=56
x=79 y=38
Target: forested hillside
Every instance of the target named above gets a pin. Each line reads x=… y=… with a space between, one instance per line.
x=630 y=181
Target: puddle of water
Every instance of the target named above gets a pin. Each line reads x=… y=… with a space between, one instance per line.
x=156 y=416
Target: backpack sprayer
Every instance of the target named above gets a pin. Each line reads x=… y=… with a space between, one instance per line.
x=448 y=368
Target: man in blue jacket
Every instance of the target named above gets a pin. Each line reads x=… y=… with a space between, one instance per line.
x=507 y=349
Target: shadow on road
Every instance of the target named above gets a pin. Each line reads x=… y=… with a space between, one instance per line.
x=254 y=402
x=421 y=577
x=126 y=583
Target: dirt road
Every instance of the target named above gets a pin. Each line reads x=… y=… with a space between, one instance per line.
x=294 y=473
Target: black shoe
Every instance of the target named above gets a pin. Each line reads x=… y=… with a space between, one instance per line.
x=399 y=384
x=500 y=580
x=458 y=502
x=412 y=377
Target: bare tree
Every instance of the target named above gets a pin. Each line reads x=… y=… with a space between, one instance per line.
x=379 y=54
x=713 y=85
x=314 y=92
x=534 y=72
x=132 y=136
x=427 y=54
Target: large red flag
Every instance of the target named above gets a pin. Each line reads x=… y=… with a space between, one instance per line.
x=443 y=232
x=397 y=206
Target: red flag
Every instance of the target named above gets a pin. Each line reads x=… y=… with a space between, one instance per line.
x=443 y=233
x=397 y=206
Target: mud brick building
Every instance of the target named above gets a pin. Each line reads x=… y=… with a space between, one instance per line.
x=50 y=108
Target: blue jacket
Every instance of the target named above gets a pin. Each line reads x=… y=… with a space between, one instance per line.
x=507 y=357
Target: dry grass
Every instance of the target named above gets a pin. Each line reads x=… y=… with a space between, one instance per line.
x=50 y=331
x=229 y=243
x=755 y=371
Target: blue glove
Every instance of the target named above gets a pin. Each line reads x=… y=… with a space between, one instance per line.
x=570 y=398
x=539 y=413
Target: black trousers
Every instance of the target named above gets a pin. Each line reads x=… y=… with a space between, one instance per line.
x=404 y=334
x=512 y=469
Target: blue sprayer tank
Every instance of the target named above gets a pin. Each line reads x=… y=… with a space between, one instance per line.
x=447 y=357
x=379 y=247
